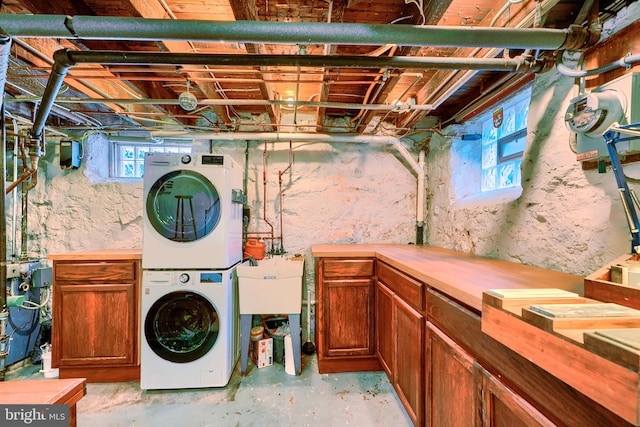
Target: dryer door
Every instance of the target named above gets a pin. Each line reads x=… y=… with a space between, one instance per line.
x=183 y=206
x=181 y=326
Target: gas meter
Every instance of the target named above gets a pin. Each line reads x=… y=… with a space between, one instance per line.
x=590 y=114
x=593 y=112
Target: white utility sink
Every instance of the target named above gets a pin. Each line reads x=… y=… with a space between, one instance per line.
x=273 y=286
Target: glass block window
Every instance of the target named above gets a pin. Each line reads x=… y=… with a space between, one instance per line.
x=128 y=159
x=504 y=136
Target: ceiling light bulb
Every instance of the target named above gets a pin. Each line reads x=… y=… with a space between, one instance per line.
x=188 y=101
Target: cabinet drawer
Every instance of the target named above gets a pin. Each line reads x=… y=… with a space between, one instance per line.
x=96 y=271
x=340 y=268
x=407 y=288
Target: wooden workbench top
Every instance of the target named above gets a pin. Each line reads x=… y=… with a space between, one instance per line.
x=55 y=391
x=98 y=255
x=45 y=391
x=462 y=276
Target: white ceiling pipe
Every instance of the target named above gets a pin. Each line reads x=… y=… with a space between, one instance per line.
x=418 y=167
x=290 y=136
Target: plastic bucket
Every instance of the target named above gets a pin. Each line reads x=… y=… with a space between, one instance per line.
x=46 y=365
x=271 y=325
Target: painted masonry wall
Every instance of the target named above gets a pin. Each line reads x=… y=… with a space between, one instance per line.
x=566 y=219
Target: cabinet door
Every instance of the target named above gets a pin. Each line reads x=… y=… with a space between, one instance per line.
x=504 y=408
x=453 y=395
x=409 y=359
x=348 y=310
x=96 y=325
x=385 y=329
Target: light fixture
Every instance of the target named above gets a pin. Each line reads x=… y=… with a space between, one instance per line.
x=187 y=100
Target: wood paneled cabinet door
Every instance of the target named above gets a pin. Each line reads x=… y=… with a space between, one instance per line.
x=95 y=318
x=400 y=347
x=504 y=408
x=348 y=312
x=453 y=396
x=345 y=315
x=460 y=393
x=385 y=329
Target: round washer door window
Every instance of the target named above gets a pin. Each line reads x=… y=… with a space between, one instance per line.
x=183 y=206
x=181 y=326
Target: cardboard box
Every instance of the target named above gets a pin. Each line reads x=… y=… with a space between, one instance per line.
x=262 y=352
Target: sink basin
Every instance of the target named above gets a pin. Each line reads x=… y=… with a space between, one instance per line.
x=273 y=286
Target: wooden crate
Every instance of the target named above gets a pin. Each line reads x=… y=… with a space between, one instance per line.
x=575 y=339
x=598 y=285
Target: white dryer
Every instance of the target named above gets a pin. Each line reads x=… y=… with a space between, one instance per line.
x=190 y=335
x=192 y=216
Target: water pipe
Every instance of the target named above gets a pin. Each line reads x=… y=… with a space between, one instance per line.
x=264 y=193
x=280 y=173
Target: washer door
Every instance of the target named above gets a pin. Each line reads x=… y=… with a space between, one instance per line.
x=183 y=206
x=181 y=326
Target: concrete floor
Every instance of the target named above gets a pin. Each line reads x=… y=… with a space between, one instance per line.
x=263 y=397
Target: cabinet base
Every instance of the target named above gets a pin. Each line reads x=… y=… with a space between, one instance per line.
x=348 y=364
x=102 y=374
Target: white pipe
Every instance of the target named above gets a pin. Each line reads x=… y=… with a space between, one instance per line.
x=418 y=167
x=421 y=184
x=290 y=136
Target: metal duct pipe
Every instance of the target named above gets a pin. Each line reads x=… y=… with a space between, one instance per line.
x=522 y=64
x=66 y=58
x=5 y=53
x=5 y=49
x=56 y=79
x=122 y=28
x=4 y=314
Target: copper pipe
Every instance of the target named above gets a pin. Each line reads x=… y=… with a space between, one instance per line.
x=26 y=175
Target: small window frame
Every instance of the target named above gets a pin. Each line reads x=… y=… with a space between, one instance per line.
x=137 y=160
x=502 y=142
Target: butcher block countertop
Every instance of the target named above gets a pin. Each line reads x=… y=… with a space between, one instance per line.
x=462 y=276
x=98 y=255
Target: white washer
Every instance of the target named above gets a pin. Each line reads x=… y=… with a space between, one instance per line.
x=190 y=335
x=192 y=216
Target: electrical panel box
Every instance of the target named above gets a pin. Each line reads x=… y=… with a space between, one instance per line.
x=42 y=277
x=69 y=154
x=591 y=114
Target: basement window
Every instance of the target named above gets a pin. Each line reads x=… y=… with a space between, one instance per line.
x=128 y=158
x=504 y=137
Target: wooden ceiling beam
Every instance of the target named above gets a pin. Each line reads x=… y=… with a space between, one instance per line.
x=246 y=11
x=152 y=9
x=442 y=80
x=433 y=11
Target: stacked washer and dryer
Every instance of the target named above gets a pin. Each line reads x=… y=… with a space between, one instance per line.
x=192 y=243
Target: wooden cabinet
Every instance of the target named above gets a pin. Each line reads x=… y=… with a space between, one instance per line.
x=400 y=337
x=95 y=319
x=453 y=385
x=429 y=339
x=461 y=393
x=345 y=315
x=531 y=394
